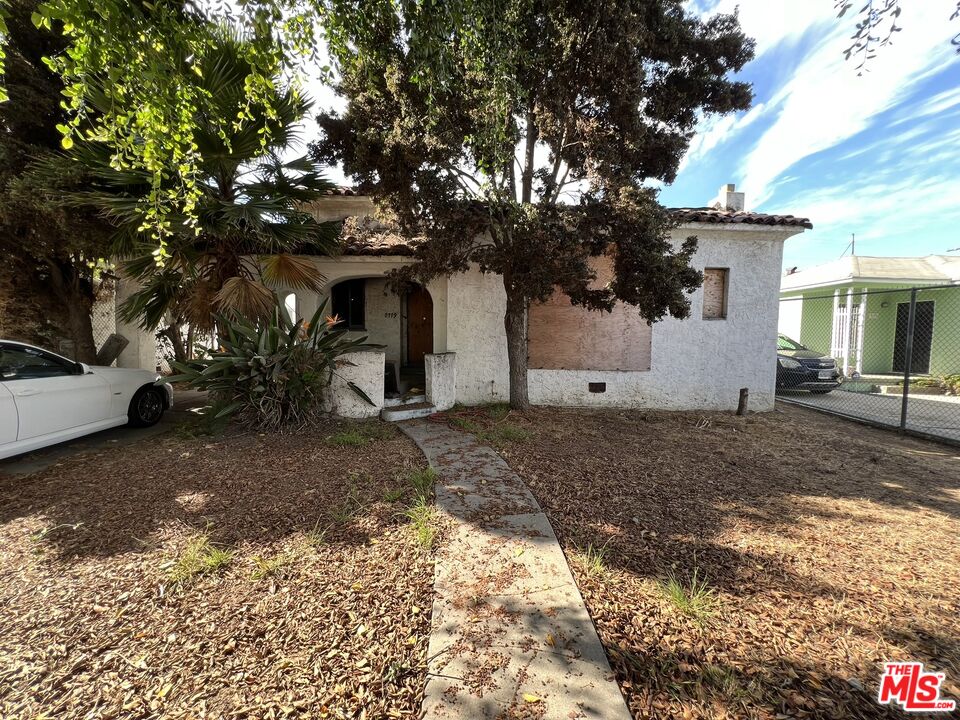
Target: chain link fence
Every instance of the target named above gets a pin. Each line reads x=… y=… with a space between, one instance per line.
x=890 y=357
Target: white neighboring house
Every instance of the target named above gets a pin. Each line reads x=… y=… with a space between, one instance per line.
x=448 y=338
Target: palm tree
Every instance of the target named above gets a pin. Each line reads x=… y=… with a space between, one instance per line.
x=250 y=229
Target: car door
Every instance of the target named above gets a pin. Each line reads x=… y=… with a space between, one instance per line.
x=8 y=417
x=50 y=393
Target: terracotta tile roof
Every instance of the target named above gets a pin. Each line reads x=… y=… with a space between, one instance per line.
x=385 y=242
x=730 y=217
x=378 y=245
x=343 y=191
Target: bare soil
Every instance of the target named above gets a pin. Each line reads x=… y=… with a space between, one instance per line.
x=823 y=547
x=240 y=575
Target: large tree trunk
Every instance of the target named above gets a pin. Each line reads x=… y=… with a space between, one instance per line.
x=515 y=323
x=76 y=297
x=173 y=333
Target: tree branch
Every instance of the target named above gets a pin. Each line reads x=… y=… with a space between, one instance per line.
x=532 y=133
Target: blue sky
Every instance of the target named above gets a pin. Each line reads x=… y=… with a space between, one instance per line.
x=877 y=155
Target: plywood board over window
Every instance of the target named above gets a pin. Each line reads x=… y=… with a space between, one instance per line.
x=563 y=336
x=715 y=293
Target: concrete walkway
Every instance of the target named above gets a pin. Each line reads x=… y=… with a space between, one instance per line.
x=511 y=636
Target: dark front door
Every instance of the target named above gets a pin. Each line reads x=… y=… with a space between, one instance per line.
x=922 y=337
x=419 y=325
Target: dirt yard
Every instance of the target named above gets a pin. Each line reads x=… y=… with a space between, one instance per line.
x=759 y=567
x=240 y=575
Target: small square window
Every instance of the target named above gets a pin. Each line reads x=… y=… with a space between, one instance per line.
x=715 y=293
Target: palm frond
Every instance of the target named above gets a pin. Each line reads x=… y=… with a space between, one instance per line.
x=244 y=297
x=292 y=271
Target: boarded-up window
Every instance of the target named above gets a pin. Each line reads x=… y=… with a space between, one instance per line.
x=715 y=293
x=562 y=336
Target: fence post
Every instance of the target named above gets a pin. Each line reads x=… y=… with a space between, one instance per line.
x=908 y=359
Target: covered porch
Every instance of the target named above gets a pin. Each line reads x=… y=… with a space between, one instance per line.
x=410 y=325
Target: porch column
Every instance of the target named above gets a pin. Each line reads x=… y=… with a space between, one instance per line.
x=847 y=328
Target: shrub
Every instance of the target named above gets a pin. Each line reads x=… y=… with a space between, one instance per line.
x=270 y=375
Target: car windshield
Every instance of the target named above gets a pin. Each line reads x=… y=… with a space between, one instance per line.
x=785 y=343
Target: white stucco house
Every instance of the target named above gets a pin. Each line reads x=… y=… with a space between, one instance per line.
x=445 y=343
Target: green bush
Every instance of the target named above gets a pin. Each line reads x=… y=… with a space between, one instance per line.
x=270 y=375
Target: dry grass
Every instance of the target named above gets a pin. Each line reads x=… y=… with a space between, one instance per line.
x=227 y=576
x=759 y=567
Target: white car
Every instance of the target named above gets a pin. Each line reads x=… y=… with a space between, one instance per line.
x=47 y=399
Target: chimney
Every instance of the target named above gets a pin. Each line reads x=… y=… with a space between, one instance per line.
x=729 y=199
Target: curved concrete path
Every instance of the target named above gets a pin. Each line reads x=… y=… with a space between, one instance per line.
x=511 y=637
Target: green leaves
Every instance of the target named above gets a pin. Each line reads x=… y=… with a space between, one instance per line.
x=271 y=374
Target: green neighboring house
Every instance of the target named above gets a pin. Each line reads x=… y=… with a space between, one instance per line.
x=857 y=308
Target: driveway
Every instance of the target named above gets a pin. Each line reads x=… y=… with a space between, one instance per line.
x=184 y=402
x=938 y=416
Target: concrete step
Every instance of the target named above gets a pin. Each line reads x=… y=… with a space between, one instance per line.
x=407 y=411
x=394 y=402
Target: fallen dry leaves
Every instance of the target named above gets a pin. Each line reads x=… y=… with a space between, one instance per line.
x=320 y=606
x=829 y=547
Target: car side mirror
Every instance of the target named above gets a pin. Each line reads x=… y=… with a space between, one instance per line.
x=82 y=368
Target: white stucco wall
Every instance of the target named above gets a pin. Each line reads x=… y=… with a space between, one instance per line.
x=141 y=351
x=441 y=379
x=365 y=370
x=475 y=332
x=695 y=363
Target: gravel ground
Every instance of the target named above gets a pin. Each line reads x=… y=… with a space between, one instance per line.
x=804 y=551
x=239 y=575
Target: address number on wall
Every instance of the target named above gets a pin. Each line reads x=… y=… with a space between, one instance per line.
x=390 y=315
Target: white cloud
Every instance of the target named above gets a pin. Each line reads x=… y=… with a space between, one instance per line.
x=716 y=129
x=878 y=209
x=936 y=105
x=771 y=23
x=825 y=102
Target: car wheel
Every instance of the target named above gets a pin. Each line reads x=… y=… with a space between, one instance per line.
x=146 y=408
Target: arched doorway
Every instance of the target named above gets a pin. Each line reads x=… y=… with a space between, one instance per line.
x=419 y=325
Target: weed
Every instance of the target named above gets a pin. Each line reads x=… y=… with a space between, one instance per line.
x=466 y=424
x=423 y=517
x=592 y=559
x=349 y=438
x=344 y=512
x=695 y=599
x=199 y=557
x=503 y=434
x=497 y=411
x=422 y=482
x=316 y=537
x=361 y=434
x=391 y=496
x=722 y=679
x=42 y=534
x=269 y=567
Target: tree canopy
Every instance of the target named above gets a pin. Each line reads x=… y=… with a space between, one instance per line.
x=145 y=57
x=524 y=143
x=50 y=256
x=249 y=206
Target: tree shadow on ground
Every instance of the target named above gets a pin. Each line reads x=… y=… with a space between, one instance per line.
x=236 y=487
x=827 y=546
